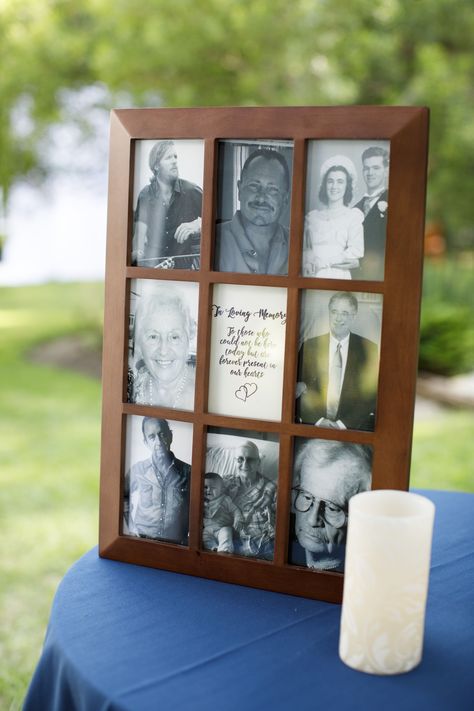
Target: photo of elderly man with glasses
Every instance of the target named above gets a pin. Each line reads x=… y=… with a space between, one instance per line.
x=255 y=240
x=326 y=475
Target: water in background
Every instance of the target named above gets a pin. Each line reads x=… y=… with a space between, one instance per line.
x=56 y=231
x=57 y=236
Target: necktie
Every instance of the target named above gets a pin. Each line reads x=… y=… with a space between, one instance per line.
x=367 y=205
x=334 y=385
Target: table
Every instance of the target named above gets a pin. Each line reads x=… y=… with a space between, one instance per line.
x=127 y=638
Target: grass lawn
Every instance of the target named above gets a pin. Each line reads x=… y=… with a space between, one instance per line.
x=49 y=454
x=443 y=451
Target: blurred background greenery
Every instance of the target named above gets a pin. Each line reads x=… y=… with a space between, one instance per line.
x=196 y=53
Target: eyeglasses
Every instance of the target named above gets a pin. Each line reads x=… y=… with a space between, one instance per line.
x=249 y=460
x=331 y=513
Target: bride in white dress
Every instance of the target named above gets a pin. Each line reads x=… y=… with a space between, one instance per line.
x=334 y=235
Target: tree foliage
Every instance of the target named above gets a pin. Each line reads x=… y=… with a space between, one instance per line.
x=246 y=52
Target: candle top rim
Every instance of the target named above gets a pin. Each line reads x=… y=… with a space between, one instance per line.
x=391 y=504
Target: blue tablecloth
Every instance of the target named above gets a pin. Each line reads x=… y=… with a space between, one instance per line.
x=127 y=638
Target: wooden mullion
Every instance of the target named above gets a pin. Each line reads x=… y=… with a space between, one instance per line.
x=283 y=499
x=406 y=129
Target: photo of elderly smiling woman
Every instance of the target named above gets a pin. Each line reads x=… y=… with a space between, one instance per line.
x=162 y=350
x=326 y=475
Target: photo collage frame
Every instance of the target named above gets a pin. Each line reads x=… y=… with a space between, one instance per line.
x=263 y=288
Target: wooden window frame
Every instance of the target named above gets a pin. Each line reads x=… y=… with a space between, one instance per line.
x=407 y=130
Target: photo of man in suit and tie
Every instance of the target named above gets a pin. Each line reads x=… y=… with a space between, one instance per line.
x=338 y=370
x=374 y=205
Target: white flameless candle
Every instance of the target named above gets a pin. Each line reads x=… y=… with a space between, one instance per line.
x=386 y=581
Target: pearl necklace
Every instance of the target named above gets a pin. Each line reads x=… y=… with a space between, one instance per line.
x=179 y=390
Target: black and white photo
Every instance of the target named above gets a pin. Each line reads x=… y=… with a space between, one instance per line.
x=346 y=209
x=326 y=474
x=168 y=204
x=252 y=225
x=290 y=312
x=374 y=205
x=162 y=345
x=338 y=359
x=240 y=491
x=157 y=479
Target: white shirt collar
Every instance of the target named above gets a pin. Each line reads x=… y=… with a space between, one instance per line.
x=334 y=341
x=376 y=195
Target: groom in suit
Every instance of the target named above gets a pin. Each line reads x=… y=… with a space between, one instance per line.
x=374 y=205
x=337 y=373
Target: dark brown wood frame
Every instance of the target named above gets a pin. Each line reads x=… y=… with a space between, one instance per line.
x=407 y=130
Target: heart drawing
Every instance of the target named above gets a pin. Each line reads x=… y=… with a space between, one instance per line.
x=245 y=391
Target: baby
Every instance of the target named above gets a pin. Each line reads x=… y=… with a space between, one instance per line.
x=221 y=516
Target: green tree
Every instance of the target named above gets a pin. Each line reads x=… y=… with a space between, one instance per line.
x=253 y=52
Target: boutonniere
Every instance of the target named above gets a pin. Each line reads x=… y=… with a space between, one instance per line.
x=382 y=205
